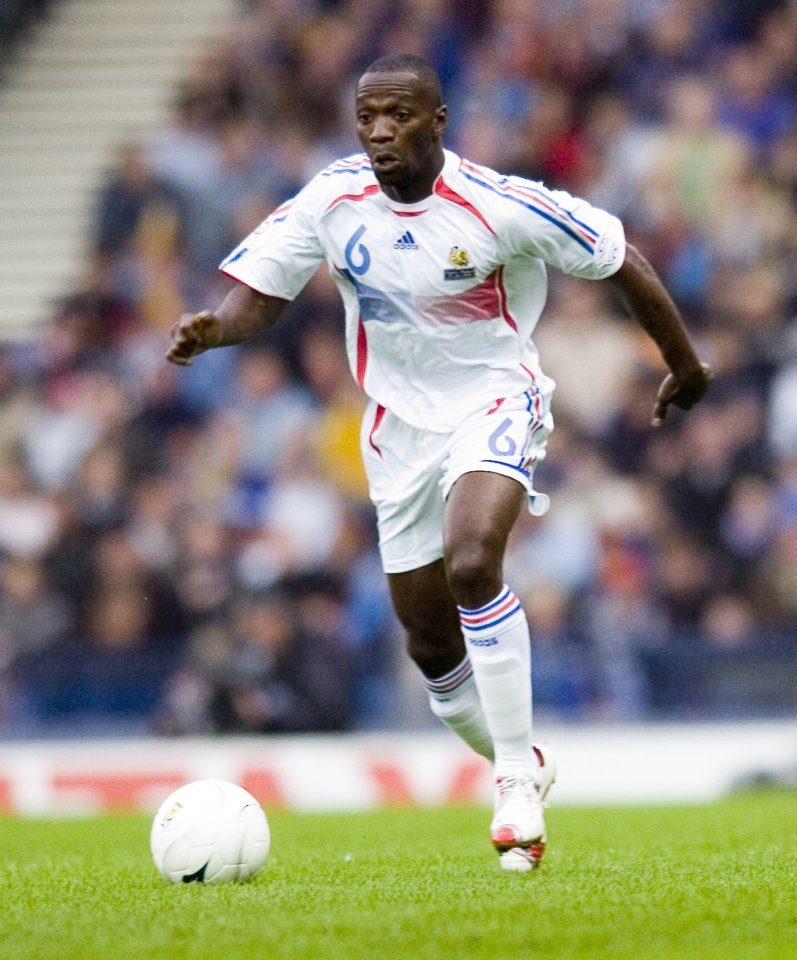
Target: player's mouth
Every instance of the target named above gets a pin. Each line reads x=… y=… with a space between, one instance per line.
x=384 y=162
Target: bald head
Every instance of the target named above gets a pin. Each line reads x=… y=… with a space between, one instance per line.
x=426 y=75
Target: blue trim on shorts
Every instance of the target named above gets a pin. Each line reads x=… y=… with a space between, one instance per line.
x=511 y=466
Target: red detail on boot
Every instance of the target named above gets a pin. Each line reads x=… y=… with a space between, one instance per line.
x=504 y=838
x=537 y=850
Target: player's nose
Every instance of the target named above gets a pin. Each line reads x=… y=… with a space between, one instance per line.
x=381 y=130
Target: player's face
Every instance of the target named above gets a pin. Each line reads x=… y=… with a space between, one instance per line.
x=399 y=124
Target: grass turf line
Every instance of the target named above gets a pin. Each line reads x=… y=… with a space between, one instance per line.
x=694 y=883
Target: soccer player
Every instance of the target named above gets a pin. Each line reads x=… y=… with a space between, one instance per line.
x=441 y=265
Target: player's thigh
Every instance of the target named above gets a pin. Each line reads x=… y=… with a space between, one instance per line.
x=481 y=510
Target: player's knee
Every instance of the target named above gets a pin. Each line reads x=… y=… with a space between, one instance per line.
x=474 y=574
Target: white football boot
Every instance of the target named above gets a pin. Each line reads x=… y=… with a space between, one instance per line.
x=518 y=827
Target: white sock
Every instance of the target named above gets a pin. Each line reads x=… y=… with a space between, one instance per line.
x=497 y=636
x=455 y=700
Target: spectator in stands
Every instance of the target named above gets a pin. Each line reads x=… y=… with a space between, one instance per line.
x=204 y=571
x=242 y=171
x=335 y=433
x=271 y=410
x=28 y=519
x=181 y=153
x=782 y=423
x=131 y=189
x=123 y=575
x=34 y=619
x=273 y=682
x=749 y=100
x=583 y=332
x=33 y=615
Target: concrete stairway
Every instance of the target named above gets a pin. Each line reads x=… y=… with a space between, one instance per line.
x=96 y=73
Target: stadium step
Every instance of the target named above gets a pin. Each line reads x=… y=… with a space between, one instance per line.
x=93 y=74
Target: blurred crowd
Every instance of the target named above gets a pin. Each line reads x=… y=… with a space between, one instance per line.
x=16 y=19
x=192 y=550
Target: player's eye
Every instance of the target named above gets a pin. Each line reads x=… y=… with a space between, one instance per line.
x=363 y=118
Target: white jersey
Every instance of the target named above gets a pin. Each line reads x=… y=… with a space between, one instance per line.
x=441 y=296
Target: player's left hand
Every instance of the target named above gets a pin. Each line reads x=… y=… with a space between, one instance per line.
x=683 y=393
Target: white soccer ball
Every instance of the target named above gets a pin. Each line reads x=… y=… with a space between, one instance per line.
x=209 y=831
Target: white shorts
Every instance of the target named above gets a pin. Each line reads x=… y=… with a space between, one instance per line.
x=411 y=471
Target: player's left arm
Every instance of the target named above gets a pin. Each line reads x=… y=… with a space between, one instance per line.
x=652 y=307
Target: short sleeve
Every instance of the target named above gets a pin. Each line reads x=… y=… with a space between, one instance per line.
x=566 y=232
x=280 y=256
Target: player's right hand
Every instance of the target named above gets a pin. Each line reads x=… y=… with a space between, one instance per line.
x=191 y=335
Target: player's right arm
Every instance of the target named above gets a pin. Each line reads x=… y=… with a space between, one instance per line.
x=271 y=265
x=242 y=315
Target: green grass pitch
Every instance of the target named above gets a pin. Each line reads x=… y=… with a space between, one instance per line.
x=714 y=882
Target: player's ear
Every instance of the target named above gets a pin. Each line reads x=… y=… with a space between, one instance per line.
x=440 y=119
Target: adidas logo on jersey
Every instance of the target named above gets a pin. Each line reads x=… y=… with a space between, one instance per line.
x=405 y=242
